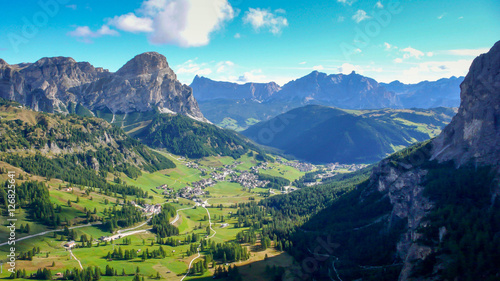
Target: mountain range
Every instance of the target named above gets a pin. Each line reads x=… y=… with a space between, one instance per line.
x=235 y=106
x=429 y=212
x=143 y=84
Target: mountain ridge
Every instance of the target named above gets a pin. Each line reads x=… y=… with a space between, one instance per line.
x=352 y=91
x=144 y=83
x=322 y=134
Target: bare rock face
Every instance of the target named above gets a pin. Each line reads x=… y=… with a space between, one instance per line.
x=402 y=183
x=206 y=89
x=474 y=133
x=142 y=84
x=472 y=136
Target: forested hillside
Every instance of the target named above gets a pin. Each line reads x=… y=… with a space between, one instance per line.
x=321 y=134
x=184 y=136
x=51 y=145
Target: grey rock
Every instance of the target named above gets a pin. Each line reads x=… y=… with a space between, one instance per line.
x=142 y=84
x=206 y=89
x=351 y=91
x=474 y=133
x=472 y=136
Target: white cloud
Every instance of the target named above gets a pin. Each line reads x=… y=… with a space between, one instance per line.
x=280 y=11
x=430 y=54
x=398 y=60
x=187 y=23
x=434 y=70
x=131 y=23
x=340 y=19
x=441 y=16
x=84 y=33
x=346 y=2
x=72 y=7
x=318 y=67
x=360 y=16
x=467 y=52
x=412 y=53
x=252 y=76
x=379 y=5
x=264 y=19
x=302 y=63
x=387 y=46
x=193 y=68
x=223 y=66
x=347 y=68
x=460 y=18
x=237 y=36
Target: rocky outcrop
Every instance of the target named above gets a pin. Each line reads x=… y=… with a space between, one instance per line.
x=144 y=83
x=206 y=89
x=402 y=183
x=474 y=133
x=472 y=136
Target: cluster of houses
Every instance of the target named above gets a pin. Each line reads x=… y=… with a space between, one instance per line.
x=301 y=166
x=190 y=192
x=261 y=166
x=204 y=183
x=221 y=174
x=248 y=180
x=348 y=167
x=194 y=165
x=152 y=209
x=148 y=209
x=165 y=189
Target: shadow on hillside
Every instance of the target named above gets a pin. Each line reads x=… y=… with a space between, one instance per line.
x=257 y=270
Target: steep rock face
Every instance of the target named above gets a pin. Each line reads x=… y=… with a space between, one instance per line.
x=402 y=182
x=44 y=85
x=143 y=83
x=474 y=133
x=472 y=136
x=351 y=91
x=206 y=89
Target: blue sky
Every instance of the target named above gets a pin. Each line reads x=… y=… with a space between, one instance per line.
x=243 y=40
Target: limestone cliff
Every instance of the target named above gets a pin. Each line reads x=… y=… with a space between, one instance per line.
x=473 y=136
x=142 y=84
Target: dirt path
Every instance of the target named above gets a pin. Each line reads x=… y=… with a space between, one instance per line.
x=73 y=255
x=198 y=249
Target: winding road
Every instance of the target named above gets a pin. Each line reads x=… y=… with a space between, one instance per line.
x=50 y=231
x=198 y=249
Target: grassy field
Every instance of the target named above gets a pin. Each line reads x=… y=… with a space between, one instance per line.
x=194 y=220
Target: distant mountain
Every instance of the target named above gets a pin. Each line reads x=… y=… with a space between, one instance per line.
x=206 y=89
x=443 y=92
x=235 y=106
x=351 y=91
x=322 y=134
x=429 y=212
x=55 y=84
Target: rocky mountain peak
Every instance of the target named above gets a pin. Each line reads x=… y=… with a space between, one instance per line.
x=54 y=61
x=145 y=63
x=144 y=83
x=474 y=133
x=3 y=63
